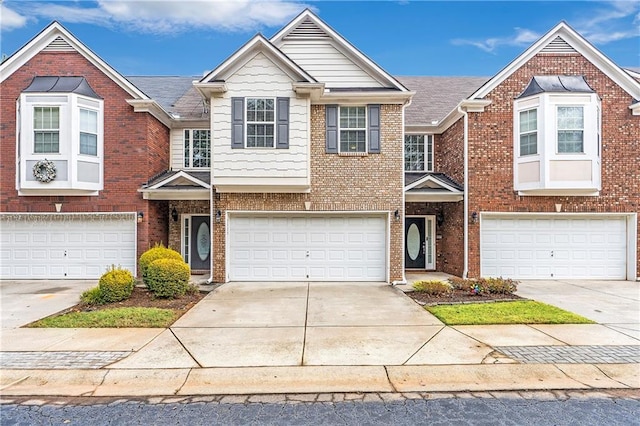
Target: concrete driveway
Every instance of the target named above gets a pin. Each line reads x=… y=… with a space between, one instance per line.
x=614 y=303
x=26 y=301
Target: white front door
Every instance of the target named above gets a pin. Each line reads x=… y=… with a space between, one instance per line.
x=65 y=246
x=543 y=247
x=320 y=247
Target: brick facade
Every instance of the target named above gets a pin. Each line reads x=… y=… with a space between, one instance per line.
x=136 y=146
x=337 y=184
x=491 y=150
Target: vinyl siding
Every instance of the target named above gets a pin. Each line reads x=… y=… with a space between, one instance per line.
x=327 y=64
x=260 y=77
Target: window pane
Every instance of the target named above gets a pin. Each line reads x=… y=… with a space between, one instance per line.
x=197 y=148
x=570 y=129
x=88 y=144
x=414 y=152
x=88 y=121
x=529 y=144
x=260 y=135
x=260 y=123
x=46 y=142
x=353 y=141
x=187 y=148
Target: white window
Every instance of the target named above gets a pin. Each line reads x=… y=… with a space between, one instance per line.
x=46 y=130
x=197 y=148
x=418 y=153
x=529 y=132
x=260 y=122
x=570 y=129
x=353 y=129
x=88 y=132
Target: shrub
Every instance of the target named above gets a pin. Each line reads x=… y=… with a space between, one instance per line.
x=433 y=287
x=116 y=284
x=168 y=277
x=93 y=296
x=458 y=283
x=157 y=252
x=498 y=285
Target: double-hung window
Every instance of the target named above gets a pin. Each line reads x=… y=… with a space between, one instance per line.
x=418 y=153
x=197 y=148
x=529 y=132
x=353 y=129
x=88 y=132
x=260 y=122
x=46 y=130
x=570 y=129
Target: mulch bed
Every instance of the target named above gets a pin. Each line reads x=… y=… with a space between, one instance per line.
x=459 y=296
x=143 y=298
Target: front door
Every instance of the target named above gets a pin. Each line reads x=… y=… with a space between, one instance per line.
x=200 y=246
x=419 y=243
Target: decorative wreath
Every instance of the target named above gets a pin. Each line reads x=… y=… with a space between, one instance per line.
x=44 y=171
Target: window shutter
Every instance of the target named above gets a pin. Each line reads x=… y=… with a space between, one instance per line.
x=237 y=123
x=282 y=109
x=374 y=128
x=331 y=119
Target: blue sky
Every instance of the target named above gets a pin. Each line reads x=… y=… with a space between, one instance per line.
x=477 y=38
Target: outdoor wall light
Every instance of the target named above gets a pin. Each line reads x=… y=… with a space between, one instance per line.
x=218 y=215
x=474 y=217
x=396 y=214
x=440 y=218
x=174 y=214
x=140 y=217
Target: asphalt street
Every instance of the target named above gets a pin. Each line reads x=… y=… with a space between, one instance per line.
x=461 y=409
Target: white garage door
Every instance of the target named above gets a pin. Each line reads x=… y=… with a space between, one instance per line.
x=311 y=247
x=561 y=247
x=65 y=246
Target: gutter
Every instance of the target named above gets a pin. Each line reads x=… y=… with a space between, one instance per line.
x=212 y=221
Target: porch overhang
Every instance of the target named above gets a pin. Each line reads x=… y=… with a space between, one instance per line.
x=180 y=185
x=432 y=197
x=432 y=187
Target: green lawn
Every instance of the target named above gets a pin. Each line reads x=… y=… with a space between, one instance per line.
x=518 y=312
x=116 y=318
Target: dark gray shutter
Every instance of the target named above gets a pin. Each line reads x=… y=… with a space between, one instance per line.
x=331 y=119
x=282 y=111
x=237 y=123
x=374 y=129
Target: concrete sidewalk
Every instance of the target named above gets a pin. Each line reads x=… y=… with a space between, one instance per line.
x=314 y=337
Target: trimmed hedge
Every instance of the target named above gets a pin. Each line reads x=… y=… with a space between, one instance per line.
x=153 y=254
x=116 y=284
x=434 y=287
x=168 y=278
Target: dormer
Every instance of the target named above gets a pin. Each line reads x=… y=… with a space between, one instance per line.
x=557 y=137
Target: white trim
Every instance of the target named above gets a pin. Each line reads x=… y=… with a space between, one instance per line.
x=430 y=178
x=429 y=197
x=261 y=44
x=581 y=45
x=355 y=129
x=342 y=44
x=425 y=151
x=175 y=194
x=632 y=230
x=180 y=174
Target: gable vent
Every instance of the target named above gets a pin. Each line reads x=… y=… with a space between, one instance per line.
x=306 y=29
x=558 y=45
x=58 y=45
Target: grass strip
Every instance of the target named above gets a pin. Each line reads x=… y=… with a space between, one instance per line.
x=124 y=317
x=518 y=312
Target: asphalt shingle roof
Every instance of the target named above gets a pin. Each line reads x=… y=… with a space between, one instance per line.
x=166 y=90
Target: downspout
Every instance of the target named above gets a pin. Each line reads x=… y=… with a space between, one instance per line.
x=465 y=269
x=212 y=221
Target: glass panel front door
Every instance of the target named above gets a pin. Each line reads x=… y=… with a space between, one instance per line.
x=200 y=244
x=419 y=244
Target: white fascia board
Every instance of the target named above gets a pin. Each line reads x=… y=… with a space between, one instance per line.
x=175 y=194
x=581 y=45
x=153 y=108
x=44 y=38
x=180 y=175
x=357 y=98
x=430 y=178
x=259 y=44
x=342 y=44
x=210 y=90
x=424 y=197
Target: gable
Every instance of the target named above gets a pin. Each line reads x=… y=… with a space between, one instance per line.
x=563 y=40
x=257 y=74
x=328 y=57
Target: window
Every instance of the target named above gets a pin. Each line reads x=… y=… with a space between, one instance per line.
x=529 y=132
x=353 y=129
x=260 y=123
x=197 y=148
x=88 y=132
x=46 y=129
x=570 y=129
x=418 y=153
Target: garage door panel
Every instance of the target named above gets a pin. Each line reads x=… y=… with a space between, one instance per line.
x=66 y=246
x=560 y=247
x=308 y=247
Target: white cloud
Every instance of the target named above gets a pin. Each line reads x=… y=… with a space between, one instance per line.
x=170 y=16
x=522 y=37
x=10 y=19
x=607 y=22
